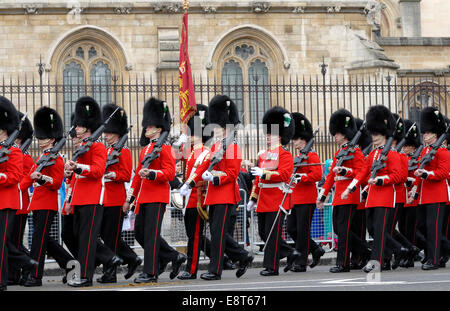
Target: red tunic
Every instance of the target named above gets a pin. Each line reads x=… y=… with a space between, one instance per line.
x=45 y=197
x=88 y=185
x=342 y=182
x=158 y=190
x=27 y=165
x=115 y=192
x=305 y=192
x=225 y=189
x=11 y=173
x=278 y=165
x=69 y=183
x=400 y=188
x=196 y=152
x=382 y=196
x=434 y=189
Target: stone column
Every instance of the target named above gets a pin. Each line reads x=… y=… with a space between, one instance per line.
x=411 y=22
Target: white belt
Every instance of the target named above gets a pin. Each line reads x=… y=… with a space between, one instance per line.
x=280 y=185
x=80 y=176
x=339 y=178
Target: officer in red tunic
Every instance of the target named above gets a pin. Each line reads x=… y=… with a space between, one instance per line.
x=87 y=193
x=271 y=185
x=193 y=221
x=222 y=189
x=11 y=172
x=304 y=197
x=45 y=202
x=381 y=190
x=115 y=196
x=432 y=179
x=151 y=188
x=343 y=127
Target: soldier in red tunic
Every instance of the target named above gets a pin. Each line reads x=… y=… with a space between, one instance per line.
x=45 y=202
x=87 y=193
x=304 y=197
x=343 y=128
x=434 y=193
x=11 y=173
x=222 y=189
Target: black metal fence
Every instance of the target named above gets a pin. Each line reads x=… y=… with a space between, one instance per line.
x=315 y=96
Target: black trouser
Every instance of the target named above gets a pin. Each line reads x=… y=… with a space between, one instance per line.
x=299 y=229
x=446 y=227
x=20 y=221
x=406 y=222
x=194 y=225
x=342 y=219
x=87 y=223
x=68 y=234
x=431 y=218
x=148 y=234
x=285 y=248
x=43 y=243
x=358 y=243
x=219 y=217
x=378 y=228
x=111 y=234
x=395 y=240
x=273 y=242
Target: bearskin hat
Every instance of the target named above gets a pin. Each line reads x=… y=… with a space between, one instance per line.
x=119 y=121
x=283 y=121
x=223 y=111
x=26 y=131
x=399 y=129
x=413 y=137
x=447 y=120
x=380 y=121
x=87 y=113
x=303 y=128
x=9 y=117
x=156 y=113
x=144 y=141
x=72 y=133
x=199 y=121
x=48 y=124
x=342 y=121
x=365 y=139
x=431 y=120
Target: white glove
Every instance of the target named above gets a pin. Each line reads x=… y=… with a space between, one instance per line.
x=2 y=175
x=181 y=140
x=298 y=177
x=110 y=175
x=184 y=190
x=257 y=171
x=251 y=205
x=207 y=176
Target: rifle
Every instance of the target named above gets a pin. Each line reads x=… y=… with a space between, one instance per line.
x=413 y=163
x=218 y=156
x=343 y=154
x=366 y=150
x=303 y=157
x=8 y=143
x=149 y=158
x=89 y=141
x=26 y=145
x=113 y=157
x=400 y=145
x=50 y=158
x=434 y=147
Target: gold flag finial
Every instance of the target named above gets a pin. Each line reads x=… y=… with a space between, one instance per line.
x=186 y=5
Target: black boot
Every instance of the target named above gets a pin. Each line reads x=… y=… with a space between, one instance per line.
x=176 y=265
x=268 y=272
x=80 y=283
x=244 y=264
x=187 y=276
x=429 y=266
x=209 y=276
x=298 y=268
x=316 y=255
x=339 y=269
x=132 y=267
x=31 y=281
x=291 y=259
x=146 y=278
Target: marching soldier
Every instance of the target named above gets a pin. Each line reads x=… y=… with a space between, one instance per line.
x=381 y=191
x=432 y=179
x=222 y=188
x=150 y=188
x=343 y=128
x=87 y=193
x=271 y=187
x=116 y=176
x=304 y=198
x=45 y=202
x=11 y=172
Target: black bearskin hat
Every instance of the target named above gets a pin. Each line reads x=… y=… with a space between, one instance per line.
x=413 y=137
x=9 y=117
x=223 y=111
x=48 y=124
x=365 y=139
x=87 y=113
x=342 y=121
x=72 y=133
x=27 y=129
x=284 y=122
x=400 y=128
x=431 y=120
x=303 y=128
x=156 y=113
x=198 y=122
x=143 y=141
x=448 y=133
x=380 y=121
x=119 y=121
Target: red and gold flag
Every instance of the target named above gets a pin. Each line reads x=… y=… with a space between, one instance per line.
x=188 y=106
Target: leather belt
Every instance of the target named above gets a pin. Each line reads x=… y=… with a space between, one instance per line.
x=280 y=185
